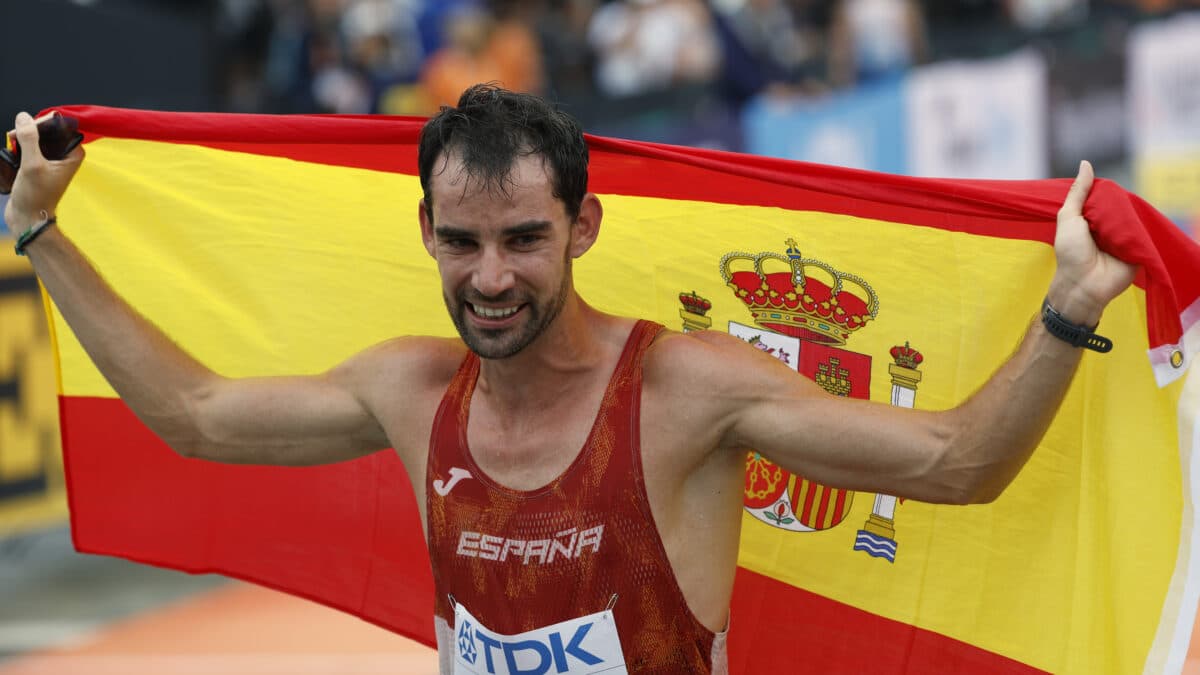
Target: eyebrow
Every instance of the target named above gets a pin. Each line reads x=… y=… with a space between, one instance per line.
x=448 y=232
x=530 y=227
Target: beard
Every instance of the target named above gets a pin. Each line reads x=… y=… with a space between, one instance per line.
x=505 y=342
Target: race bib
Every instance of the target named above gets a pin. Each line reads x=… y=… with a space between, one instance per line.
x=580 y=646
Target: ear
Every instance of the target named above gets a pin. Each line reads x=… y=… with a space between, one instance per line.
x=586 y=227
x=427 y=228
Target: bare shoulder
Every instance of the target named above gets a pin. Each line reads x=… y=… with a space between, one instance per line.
x=415 y=360
x=702 y=382
x=704 y=372
x=710 y=359
x=716 y=377
x=401 y=381
x=672 y=346
x=411 y=353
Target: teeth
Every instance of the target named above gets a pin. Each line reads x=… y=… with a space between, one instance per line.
x=495 y=313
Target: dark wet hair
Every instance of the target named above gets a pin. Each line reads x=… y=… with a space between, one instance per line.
x=492 y=127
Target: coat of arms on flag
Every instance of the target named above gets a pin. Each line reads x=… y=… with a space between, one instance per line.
x=804 y=320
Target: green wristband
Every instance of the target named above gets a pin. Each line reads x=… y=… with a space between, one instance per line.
x=32 y=233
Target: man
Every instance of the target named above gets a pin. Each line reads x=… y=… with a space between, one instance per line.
x=543 y=444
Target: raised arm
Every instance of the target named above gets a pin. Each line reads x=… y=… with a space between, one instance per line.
x=287 y=420
x=968 y=454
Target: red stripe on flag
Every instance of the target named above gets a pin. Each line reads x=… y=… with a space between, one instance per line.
x=777 y=628
x=839 y=511
x=810 y=493
x=345 y=535
x=823 y=510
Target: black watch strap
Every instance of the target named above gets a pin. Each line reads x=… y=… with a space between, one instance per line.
x=1076 y=335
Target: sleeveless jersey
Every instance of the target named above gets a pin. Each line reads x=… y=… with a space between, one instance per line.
x=520 y=560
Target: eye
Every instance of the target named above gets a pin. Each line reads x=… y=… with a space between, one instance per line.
x=458 y=245
x=526 y=240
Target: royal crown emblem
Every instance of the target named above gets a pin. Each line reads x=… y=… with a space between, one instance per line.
x=906 y=356
x=783 y=296
x=695 y=309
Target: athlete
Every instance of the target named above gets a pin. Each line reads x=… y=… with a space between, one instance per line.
x=543 y=444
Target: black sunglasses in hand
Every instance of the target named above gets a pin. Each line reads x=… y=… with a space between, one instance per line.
x=57 y=137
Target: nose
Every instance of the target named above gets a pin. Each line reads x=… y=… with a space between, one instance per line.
x=494 y=275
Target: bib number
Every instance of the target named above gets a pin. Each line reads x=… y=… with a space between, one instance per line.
x=580 y=646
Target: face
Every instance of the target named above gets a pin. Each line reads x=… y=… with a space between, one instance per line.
x=505 y=260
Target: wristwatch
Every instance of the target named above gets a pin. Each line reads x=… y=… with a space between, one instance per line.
x=1076 y=335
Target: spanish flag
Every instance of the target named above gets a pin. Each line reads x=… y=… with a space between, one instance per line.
x=282 y=245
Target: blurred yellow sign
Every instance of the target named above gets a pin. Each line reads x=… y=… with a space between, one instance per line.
x=32 y=493
x=1170 y=182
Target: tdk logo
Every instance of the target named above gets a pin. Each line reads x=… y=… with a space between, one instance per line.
x=558 y=652
x=582 y=646
x=466 y=643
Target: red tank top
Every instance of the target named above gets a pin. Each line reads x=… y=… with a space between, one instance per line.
x=519 y=561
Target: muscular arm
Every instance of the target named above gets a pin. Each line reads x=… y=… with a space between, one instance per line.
x=292 y=420
x=280 y=420
x=968 y=454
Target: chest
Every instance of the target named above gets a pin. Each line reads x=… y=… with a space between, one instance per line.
x=529 y=448
x=604 y=514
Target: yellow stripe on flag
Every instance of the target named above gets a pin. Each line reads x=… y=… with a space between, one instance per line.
x=342 y=269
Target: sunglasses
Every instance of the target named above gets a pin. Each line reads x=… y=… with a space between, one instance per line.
x=57 y=137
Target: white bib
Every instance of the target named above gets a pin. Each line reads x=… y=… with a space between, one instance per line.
x=580 y=646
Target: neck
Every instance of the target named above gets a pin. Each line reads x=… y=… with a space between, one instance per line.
x=541 y=372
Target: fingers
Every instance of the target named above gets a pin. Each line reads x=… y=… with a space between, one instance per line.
x=27 y=137
x=1077 y=195
x=39 y=184
x=1072 y=240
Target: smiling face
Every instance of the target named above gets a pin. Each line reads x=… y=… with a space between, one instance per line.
x=504 y=255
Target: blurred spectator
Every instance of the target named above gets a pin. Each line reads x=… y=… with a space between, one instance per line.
x=243 y=29
x=515 y=47
x=305 y=48
x=562 y=30
x=874 y=39
x=769 y=30
x=382 y=40
x=335 y=87
x=480 y=47
x=1038 y=15
x=650 y=45
x=767 y=48
x=339 y=55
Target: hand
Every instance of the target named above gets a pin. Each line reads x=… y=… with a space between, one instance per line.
x=1087 y=279
x=40 y=183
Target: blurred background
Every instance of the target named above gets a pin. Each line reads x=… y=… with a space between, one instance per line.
x=1005 y=89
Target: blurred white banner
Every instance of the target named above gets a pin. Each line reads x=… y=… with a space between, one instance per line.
x=983 y=119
